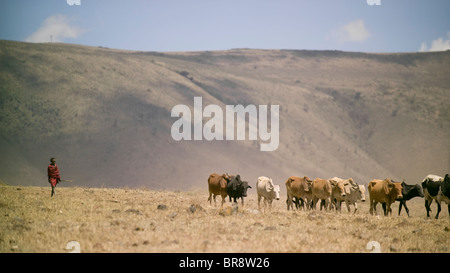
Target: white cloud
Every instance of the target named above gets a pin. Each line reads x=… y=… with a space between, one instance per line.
x=354 y=31
x=437 y=45
x=57 y=27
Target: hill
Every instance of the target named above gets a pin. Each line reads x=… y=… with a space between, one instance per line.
x=105 y=114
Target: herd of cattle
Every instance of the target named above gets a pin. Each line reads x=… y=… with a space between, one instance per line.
x=306 y=193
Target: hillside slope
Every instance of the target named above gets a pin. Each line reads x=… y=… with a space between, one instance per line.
x=106 y=114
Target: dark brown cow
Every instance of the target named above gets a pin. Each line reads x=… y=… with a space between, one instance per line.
x=299 y=187
x=217 y=185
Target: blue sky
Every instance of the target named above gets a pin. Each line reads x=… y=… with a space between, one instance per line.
x=196 y=25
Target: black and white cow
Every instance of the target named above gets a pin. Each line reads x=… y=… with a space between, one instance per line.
x=237 y=188
x=408 y=192
x=437 y=188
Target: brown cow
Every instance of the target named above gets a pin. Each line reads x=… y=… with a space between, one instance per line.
x=339 y=191
x=321 y=189
x=217 y=185
x=383 y=191
x=299 y=188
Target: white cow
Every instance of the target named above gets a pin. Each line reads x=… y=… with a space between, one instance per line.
x=357 y=192
x=265 y=188
x=353 y=193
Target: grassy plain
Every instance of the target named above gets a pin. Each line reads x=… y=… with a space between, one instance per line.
x=142 y=220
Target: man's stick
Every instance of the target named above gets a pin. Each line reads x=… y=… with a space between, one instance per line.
x=66 y=180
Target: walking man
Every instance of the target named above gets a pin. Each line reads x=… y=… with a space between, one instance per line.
x=53 y=174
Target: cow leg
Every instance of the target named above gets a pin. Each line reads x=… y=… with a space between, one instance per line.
x=259 y=200
x=347 y=204
x=406 y=208
x=375 y=207
x=383 y=205
x=427 y=206
x=388 y=209
x=322 y=203
x=304 y=204
x=337 y=205
x=356 y=207
x=309 y=203
x=400 y=208
x=314 y=203
x=265 y=204
x=242 y=199
x=299 y=203
x=439 y=209
x=328 y=204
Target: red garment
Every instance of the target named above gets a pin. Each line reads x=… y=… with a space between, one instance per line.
x=53 y=174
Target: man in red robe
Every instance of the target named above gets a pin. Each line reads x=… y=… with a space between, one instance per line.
x=53 y=174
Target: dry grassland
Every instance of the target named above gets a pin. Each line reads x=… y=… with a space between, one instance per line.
x=141 y=220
